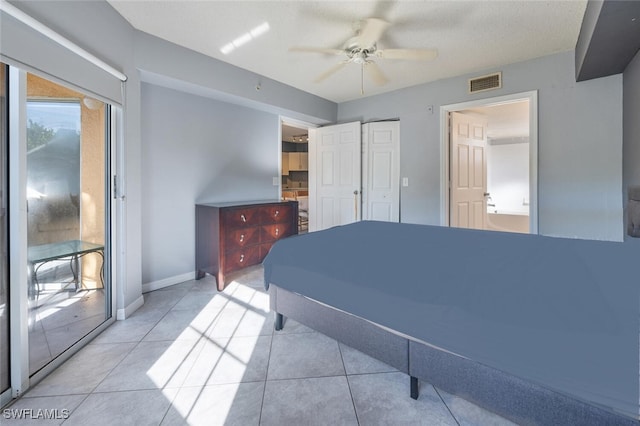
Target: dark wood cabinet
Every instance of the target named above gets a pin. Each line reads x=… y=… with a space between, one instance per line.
x=232 y=236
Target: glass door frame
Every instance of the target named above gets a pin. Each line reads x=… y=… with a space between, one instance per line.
x=17 y=219
x=5 y=396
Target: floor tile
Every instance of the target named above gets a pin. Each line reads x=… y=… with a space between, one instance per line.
x=242 y=322
x=251 y=277
x=206 y=284
x=251 y=297
x=225 y=360
x=160 y=300
x=198 y=300
x=232 y=404
x=304 y=355
x=84 y=371
x=153 y=365
x=74 y=307
x=186 y=286
x=57 y=409
x=131 y=330
x=383 y=399
x=316 y=401
x=61 y=338
x=182 y=325
x=468 y=414
x=355 y=362
x=292 y=327
x=149 y=313
x=146 y=407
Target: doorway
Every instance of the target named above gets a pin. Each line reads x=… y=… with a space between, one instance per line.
x=294 y=185
x=67 y=213
x=489 y=164
x=58 y=142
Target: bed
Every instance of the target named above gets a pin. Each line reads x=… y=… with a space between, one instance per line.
x=540 y=330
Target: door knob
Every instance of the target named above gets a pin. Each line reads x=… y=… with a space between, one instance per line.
x=355 y=205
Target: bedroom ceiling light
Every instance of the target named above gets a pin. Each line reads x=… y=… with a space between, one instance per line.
x=300 y=138
x=245 y=38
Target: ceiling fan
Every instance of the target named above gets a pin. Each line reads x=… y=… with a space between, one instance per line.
x=363 y=48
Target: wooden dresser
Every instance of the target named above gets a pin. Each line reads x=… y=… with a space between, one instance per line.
x=232 y=236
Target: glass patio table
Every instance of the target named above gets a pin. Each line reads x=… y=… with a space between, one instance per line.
x=73 y=250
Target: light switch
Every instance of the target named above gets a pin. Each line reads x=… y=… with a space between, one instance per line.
x=405 y=181
x=276 y=181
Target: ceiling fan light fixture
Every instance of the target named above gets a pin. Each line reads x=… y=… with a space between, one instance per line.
x=359 y=56
x=361 y=49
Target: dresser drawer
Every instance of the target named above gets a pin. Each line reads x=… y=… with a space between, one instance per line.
x=247 y=256
x=275 y=232
x=240 y=218
x=278 y=213
x=235 y=239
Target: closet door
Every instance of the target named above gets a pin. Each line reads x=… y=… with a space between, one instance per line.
x=381 y=171
x=335 y=180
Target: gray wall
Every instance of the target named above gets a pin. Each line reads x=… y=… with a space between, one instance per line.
x=193 y=72
x=631 y=164
x=579 y=148
x=197 y=149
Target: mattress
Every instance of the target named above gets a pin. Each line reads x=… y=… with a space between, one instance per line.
x=560 y=312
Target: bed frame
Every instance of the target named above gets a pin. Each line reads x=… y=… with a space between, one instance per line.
x=521 y=401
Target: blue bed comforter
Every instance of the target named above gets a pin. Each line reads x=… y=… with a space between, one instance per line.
x=560 y=312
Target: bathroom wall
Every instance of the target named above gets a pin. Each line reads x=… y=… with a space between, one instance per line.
x=508 y=175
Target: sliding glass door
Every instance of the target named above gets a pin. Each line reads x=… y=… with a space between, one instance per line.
x=4 y=282
x=67 y=218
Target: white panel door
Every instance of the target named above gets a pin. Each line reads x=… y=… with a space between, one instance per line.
x=468 y=207
x=381 y=171
x=334 y=175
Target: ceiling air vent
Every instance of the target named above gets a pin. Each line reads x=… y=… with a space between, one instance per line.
x=486 y=82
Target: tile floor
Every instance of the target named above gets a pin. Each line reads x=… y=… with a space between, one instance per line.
x=192 y=355
x=58 y=319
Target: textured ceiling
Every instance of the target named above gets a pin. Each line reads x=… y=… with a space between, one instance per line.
x=470 y=36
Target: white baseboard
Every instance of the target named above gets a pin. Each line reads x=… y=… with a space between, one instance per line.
x=166 y=282
x=122 y=314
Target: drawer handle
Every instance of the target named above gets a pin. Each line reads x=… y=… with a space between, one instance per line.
x=277 y=231
x=244 y=219
x=242 y=238
x=277 y=213
x=241 y=258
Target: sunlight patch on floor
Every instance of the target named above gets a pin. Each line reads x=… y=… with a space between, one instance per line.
x=215 y=348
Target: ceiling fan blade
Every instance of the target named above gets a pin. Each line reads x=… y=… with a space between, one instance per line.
x=371 y=32
x=330 y=72
x=316 y=50
x=376 y=74
x=413 y=54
